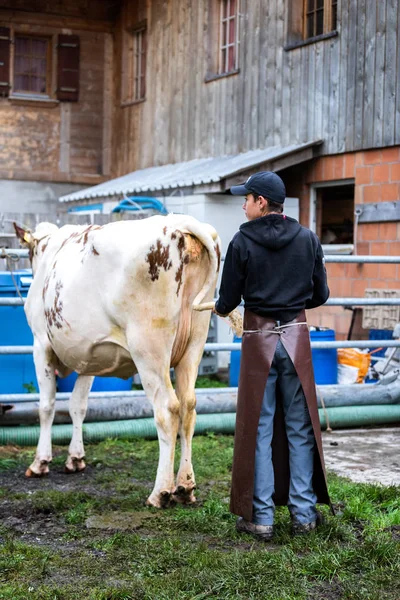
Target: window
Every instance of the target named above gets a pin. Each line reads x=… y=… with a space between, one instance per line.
x=229 y=36
x=320 y=17
x=31 y=65
x=134 y=65
x=223 y=38
x=332 y=215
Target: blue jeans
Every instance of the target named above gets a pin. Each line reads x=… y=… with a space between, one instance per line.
x=300 y=434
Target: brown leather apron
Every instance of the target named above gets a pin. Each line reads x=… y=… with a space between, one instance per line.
x=258 y=349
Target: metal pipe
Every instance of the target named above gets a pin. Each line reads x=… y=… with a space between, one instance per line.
x=329 y=302
x=329 y=258
x=231 y=346
x=24 y=413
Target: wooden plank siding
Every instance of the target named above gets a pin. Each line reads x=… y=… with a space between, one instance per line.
x=344 y=89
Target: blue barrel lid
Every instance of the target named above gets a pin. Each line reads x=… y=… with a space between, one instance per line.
x=22 y=277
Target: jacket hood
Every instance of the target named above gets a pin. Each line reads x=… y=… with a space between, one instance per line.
x=272 y=231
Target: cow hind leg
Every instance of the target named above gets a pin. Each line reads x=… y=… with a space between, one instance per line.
x=153 y=368
x=186 y=374
x=47 y=391
x=77 y=409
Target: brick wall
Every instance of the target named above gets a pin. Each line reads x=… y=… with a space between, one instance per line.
x=377 y=179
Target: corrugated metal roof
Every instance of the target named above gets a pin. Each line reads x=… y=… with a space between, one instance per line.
x=185 y=174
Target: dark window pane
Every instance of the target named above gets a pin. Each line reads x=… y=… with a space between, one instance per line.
x=320 y=3
x=310 y=25
x=231 y=58
x=39 y=47
x=22 y=83
x=224 y=32
x=232 y=6
x=224 y=8
x=30 y=65
x=320 y=22
x=334 y=15
x=310 y=5
x=223 y=59
x=142 y=87
x=232 y=31
x=22 y=45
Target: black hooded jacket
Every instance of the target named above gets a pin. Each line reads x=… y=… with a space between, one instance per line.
x=277 y=266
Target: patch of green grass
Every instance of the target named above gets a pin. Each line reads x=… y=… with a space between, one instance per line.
x=186 y=553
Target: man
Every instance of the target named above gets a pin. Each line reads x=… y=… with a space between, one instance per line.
x=277 y=266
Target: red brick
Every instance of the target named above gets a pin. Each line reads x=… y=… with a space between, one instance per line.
x=372 y=193
x=349 y=165
x=372 y=157
x=345 y=287
x=370 y=271
x=359 y=159
x=369 y=232
x=389 y=191
x=335 y=269
x=381 y=173
x=381 y=284
x=358 y=288
x=363 y=175
x=363 y=248
x=387 y=271
x=353 y=270
x=395 y=172
x=334 y=286
x=317 y=172
x=379 y=248
x=388 y=231
x=328 y=168
x=358 y=194
x=338 y=167
x=390 y=154
x=394 y=248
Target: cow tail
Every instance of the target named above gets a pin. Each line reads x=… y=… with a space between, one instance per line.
x=212 y=246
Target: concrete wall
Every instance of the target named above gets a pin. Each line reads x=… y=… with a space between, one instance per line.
x=33 y=196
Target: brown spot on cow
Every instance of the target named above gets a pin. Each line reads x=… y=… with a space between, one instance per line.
x=158 y=258
x=54 y=314
x=173 y=235
x=44 y=246
x=165 y=230
x=94 y=251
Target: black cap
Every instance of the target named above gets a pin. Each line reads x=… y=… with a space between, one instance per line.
x=264 y=183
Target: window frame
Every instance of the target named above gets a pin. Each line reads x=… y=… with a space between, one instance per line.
x=216 y=23
x=314 y=187
x=327 y=19
x=49 y=67
x=131 y=88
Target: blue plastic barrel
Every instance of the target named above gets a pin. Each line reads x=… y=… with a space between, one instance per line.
x=380 y=334
x=17 y=371
x=234 y=367
x=324 y=360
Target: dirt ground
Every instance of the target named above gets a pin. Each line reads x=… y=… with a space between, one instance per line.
x=364 y=455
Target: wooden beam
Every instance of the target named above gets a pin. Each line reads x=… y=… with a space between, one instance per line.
x=30 y=18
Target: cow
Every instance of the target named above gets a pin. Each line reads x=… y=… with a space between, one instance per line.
x=116 y=300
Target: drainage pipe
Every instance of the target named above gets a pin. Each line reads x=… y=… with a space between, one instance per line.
x=340 y=417
x=16 y=409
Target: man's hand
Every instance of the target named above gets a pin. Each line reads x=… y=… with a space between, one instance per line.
x=219 y=314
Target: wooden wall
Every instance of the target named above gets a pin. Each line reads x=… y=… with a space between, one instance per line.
x=61 y=141
x=345 y=90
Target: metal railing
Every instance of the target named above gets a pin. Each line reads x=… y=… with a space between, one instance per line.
x=222 y=347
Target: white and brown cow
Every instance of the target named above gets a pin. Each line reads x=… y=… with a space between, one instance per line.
x=116 y=300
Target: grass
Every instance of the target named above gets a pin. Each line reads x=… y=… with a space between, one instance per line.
x=48 y=553
x=203 y=381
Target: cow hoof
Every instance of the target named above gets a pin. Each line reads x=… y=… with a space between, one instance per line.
x=161 y=500
x=184 y=495
x=43 y=471
x=74 y=465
